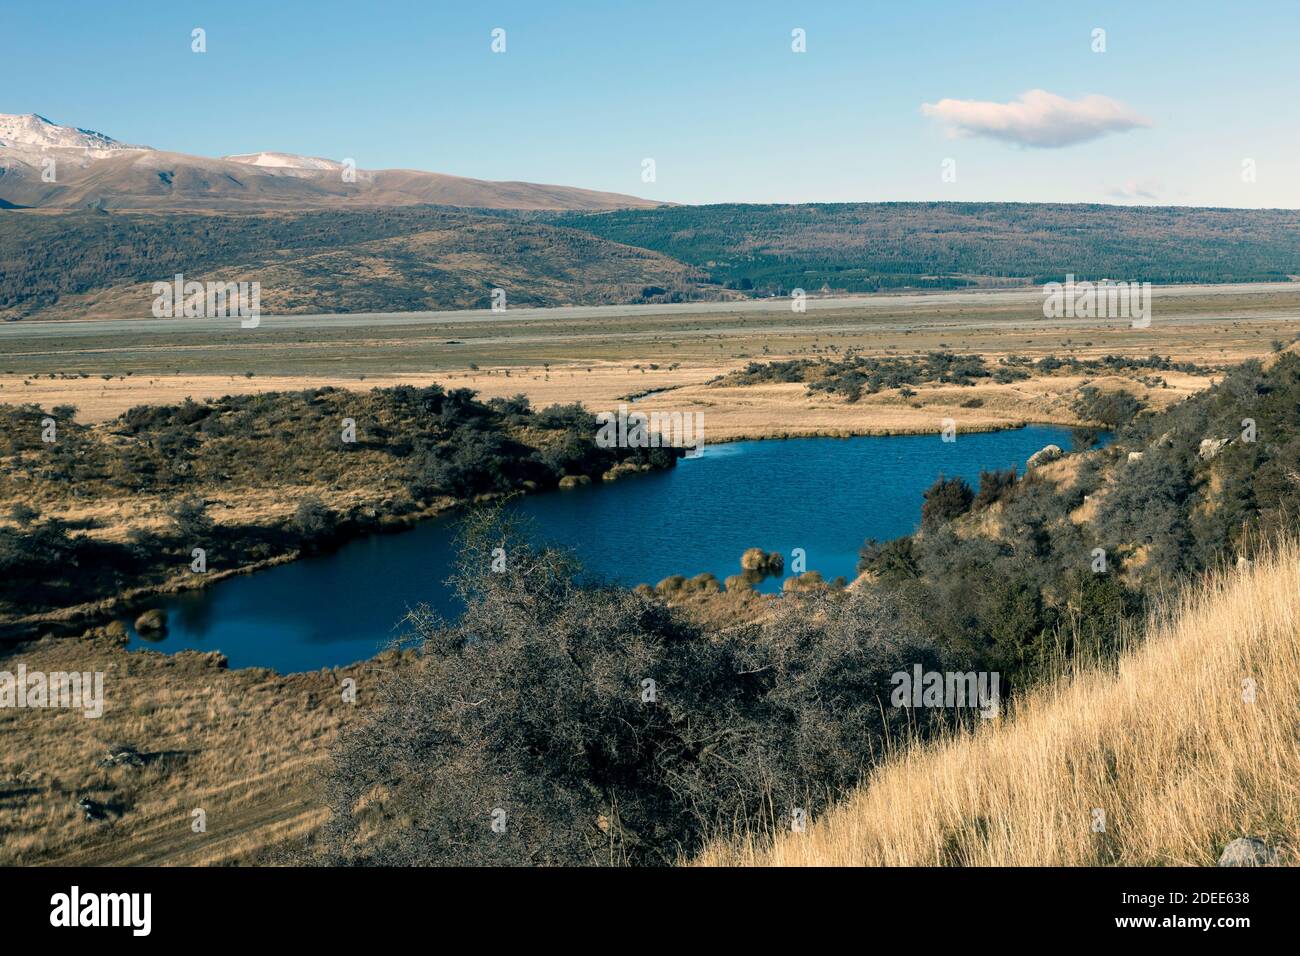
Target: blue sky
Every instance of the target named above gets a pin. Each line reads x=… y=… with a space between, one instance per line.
x=711 y=91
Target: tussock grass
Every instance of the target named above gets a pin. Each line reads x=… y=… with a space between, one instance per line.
x=1164 y=742
x=244 y=745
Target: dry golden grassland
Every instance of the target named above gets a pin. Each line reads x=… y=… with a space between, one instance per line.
x=600 y=359
x=241 y=745
x=1191 y=742
x=785 y=410
x=732 y=412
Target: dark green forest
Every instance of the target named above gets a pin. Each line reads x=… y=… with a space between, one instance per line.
x=869 y=247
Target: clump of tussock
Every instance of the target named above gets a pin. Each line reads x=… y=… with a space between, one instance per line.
x=767 y=563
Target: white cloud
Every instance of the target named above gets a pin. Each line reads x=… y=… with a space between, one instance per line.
x=1132 y=189
x=1037 y=118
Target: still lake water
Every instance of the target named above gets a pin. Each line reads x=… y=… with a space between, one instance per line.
x=825 y=495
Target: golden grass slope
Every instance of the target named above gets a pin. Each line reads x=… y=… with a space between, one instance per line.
x=242 y=745
x=1170 y=746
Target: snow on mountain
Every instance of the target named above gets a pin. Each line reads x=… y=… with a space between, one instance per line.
x=30 y=130
x=43 y=164
x=284 y=161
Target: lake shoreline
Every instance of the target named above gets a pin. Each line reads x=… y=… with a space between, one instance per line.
x=338 y=606
x=75 y=620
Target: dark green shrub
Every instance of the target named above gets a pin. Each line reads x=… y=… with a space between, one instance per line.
x=1113 y=409
x=946 y=499
x=533 y=709
x=994 y=485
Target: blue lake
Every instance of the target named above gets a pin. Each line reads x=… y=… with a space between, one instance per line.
x=824 y=495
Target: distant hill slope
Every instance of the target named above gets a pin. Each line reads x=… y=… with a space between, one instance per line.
x=156 y=180
x=1180 y=754
x=91 y=169
x=685 y=253
x=102 y=265
x=865 y=247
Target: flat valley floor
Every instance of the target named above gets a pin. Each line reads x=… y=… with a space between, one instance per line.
x=606 y=355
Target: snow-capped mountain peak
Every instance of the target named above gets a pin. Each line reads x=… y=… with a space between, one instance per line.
x=31 y=130
x=284 y=161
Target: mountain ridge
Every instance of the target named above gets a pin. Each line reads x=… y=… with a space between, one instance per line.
x=92 y=169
